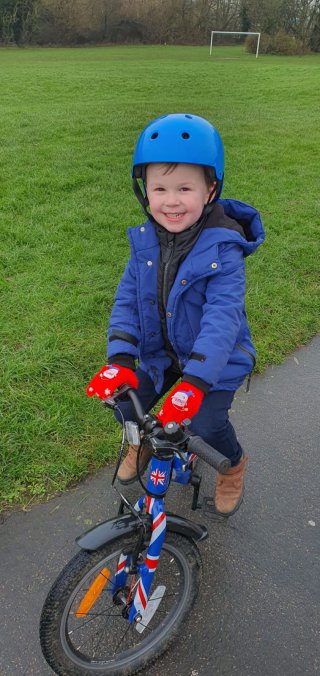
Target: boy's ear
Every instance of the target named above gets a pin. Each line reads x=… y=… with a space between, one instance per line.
x=212 y=192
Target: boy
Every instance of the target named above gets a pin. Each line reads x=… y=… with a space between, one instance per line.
x=179 y=308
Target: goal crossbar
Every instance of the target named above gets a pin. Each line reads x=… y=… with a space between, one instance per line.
x=236 y=33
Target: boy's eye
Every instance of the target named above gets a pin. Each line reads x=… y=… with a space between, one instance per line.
x=185 y=189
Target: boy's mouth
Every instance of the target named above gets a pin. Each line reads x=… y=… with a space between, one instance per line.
x=176 y=216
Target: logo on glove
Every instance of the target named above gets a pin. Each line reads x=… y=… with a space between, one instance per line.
x=110 y=373
x=180 y=399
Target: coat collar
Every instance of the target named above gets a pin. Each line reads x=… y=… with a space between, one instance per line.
x=145 y=236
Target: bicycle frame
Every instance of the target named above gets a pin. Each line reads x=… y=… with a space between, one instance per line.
x=170 y=461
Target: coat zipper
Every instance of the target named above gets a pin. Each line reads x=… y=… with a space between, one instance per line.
x=253 y=359
x=164 y=281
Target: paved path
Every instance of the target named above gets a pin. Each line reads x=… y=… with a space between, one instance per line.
x=258 y=612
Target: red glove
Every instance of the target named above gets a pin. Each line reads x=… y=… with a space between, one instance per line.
x=183 y=402
x=112 y=376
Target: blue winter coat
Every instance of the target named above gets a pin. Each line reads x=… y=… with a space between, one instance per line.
x=206 y=318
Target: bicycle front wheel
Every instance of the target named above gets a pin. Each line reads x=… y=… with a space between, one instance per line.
x=85 y=630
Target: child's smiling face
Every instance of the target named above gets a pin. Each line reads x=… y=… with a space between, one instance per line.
x=176 y=195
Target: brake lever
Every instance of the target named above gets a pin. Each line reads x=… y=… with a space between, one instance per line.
x=111 y=402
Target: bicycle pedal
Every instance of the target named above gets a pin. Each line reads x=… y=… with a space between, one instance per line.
x=210 y=511
x=195 y=481
x=121 y=508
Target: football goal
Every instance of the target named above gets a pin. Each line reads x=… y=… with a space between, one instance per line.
x=235 y=33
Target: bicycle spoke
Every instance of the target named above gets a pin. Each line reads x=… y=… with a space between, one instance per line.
x=91 y=620
x=165 y=596
x=121 y=640
x=105 y=590
x=146 y=626
x=103 y=614
x=91 y=613
x=105 y=629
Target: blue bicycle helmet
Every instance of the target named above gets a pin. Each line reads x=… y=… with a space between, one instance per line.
x=178 y=138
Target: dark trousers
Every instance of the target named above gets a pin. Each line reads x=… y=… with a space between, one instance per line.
x=211 y=422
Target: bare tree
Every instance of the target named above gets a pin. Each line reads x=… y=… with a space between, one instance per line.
x=265 y=15
x=227 y=14
x=295 y=17
x=314 y=41
x=300 y=17
x=17 y=20
x=154 y=21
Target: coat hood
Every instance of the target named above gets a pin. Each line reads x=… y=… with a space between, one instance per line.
x=250 y=221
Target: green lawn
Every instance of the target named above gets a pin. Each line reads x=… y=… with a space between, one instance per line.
x=69 y=122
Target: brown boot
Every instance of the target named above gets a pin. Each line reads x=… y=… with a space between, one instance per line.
x=229 y=489
x=127 y=472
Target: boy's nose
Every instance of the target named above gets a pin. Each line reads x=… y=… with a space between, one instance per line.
x=172 y=199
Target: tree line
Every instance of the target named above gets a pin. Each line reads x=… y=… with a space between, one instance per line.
x=70 y=22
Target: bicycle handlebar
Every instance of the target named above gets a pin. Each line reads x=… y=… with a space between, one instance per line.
x=195 y=444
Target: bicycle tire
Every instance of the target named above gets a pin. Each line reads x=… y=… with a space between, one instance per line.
x=58 y=618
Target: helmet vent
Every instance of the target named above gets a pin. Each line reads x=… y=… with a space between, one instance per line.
x=185 y=135
x=154 y=135
x=189 y=117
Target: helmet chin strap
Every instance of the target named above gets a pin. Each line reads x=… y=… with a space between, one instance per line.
x=211 y=200
x=142 y=199
x=144 y=202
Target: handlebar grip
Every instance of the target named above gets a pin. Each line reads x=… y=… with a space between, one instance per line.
x=209 y=454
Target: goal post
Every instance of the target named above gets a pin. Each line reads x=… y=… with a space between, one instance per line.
x=235 y=33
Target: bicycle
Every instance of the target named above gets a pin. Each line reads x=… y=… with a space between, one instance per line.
x=120 y=602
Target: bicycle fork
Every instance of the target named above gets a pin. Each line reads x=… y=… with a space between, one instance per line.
x=146 y=568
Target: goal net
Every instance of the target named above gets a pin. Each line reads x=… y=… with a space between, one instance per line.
x=235 y=33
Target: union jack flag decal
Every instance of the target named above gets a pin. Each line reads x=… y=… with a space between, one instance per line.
x=158 y=477
x=155 y=507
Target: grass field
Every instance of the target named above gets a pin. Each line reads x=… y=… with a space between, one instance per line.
x=69 y=121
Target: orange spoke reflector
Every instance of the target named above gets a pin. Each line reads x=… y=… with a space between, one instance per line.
x=93 y=592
